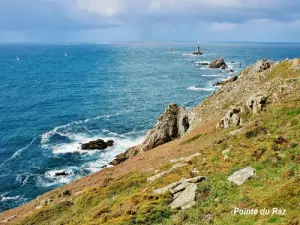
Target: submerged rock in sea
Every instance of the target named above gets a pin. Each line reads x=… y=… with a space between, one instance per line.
x=239 y=177
x=218 y=63
x=97 y=145
x=202 y=63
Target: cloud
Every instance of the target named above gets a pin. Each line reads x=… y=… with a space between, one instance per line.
x=223 y=26
x=144 y=18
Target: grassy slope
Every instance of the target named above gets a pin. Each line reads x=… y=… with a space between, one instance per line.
x=129 y=200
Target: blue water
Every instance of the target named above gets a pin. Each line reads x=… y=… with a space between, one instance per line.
x=52 y=98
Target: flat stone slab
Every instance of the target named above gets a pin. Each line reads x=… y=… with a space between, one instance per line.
x=186 y=198
x=239 y=177
x=183 y=192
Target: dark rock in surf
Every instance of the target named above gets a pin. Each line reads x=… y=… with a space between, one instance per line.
x=202 y=63
x=61 y=173
x=218 y=63
x=97 y=145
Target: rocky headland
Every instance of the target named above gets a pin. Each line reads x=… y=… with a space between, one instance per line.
x=239 y=148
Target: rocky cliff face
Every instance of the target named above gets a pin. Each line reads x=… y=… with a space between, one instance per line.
x=249 y=91
x=236 y=94
x=172 y=124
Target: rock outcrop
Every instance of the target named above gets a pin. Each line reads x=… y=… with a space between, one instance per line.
x=97 y=145
x=257 y=103
x=218 y=63
x=296 y=62
x=172 y=124
x=224 y=82
x=129 y=153
x=262 y=65
x=231 y=118
x=239 y=177
x=183 y=192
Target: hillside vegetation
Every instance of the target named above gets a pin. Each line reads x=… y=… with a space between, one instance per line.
x=266 y=139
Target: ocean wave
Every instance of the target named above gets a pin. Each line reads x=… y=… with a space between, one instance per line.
x=19 y=152
x=107 y=156
x=201 y=89
x=4 y=198
x=23 y=178
x=49 y=179
x=189 y=54
x=213 y=75
x=62 y=130
x=202 y=62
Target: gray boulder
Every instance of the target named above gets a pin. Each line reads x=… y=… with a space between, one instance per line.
x=183 y=192
x=256 y=103
x=262 y=65
x=231 y=118
x=242 y=175
x=186 y=198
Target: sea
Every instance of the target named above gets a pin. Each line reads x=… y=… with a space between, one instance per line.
x=55 y=97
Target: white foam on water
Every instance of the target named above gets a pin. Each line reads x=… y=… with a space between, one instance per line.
x=189 y=54
x=23 y=178
x=200 y=62
x=19 y=152
x=74 y=145
x=213 y=75
x=201 y=89
x=61 y=130
x=4 y=197
x=50 y=179
x=108 y=155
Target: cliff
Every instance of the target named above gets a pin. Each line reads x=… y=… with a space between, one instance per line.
x=239 y=149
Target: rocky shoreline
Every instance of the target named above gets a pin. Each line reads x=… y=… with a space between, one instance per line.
x=176 y=121
x=239 y=143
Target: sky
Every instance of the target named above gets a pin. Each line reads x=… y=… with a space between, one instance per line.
x=149 y=20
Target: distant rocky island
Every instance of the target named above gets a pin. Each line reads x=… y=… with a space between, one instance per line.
x=238 y=149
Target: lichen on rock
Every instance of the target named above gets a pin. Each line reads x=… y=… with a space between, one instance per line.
x=231 y=118
x=257 y=103
x=239 y=177
x=172 y=124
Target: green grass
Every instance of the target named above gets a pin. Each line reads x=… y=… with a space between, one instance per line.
x=129 y=200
